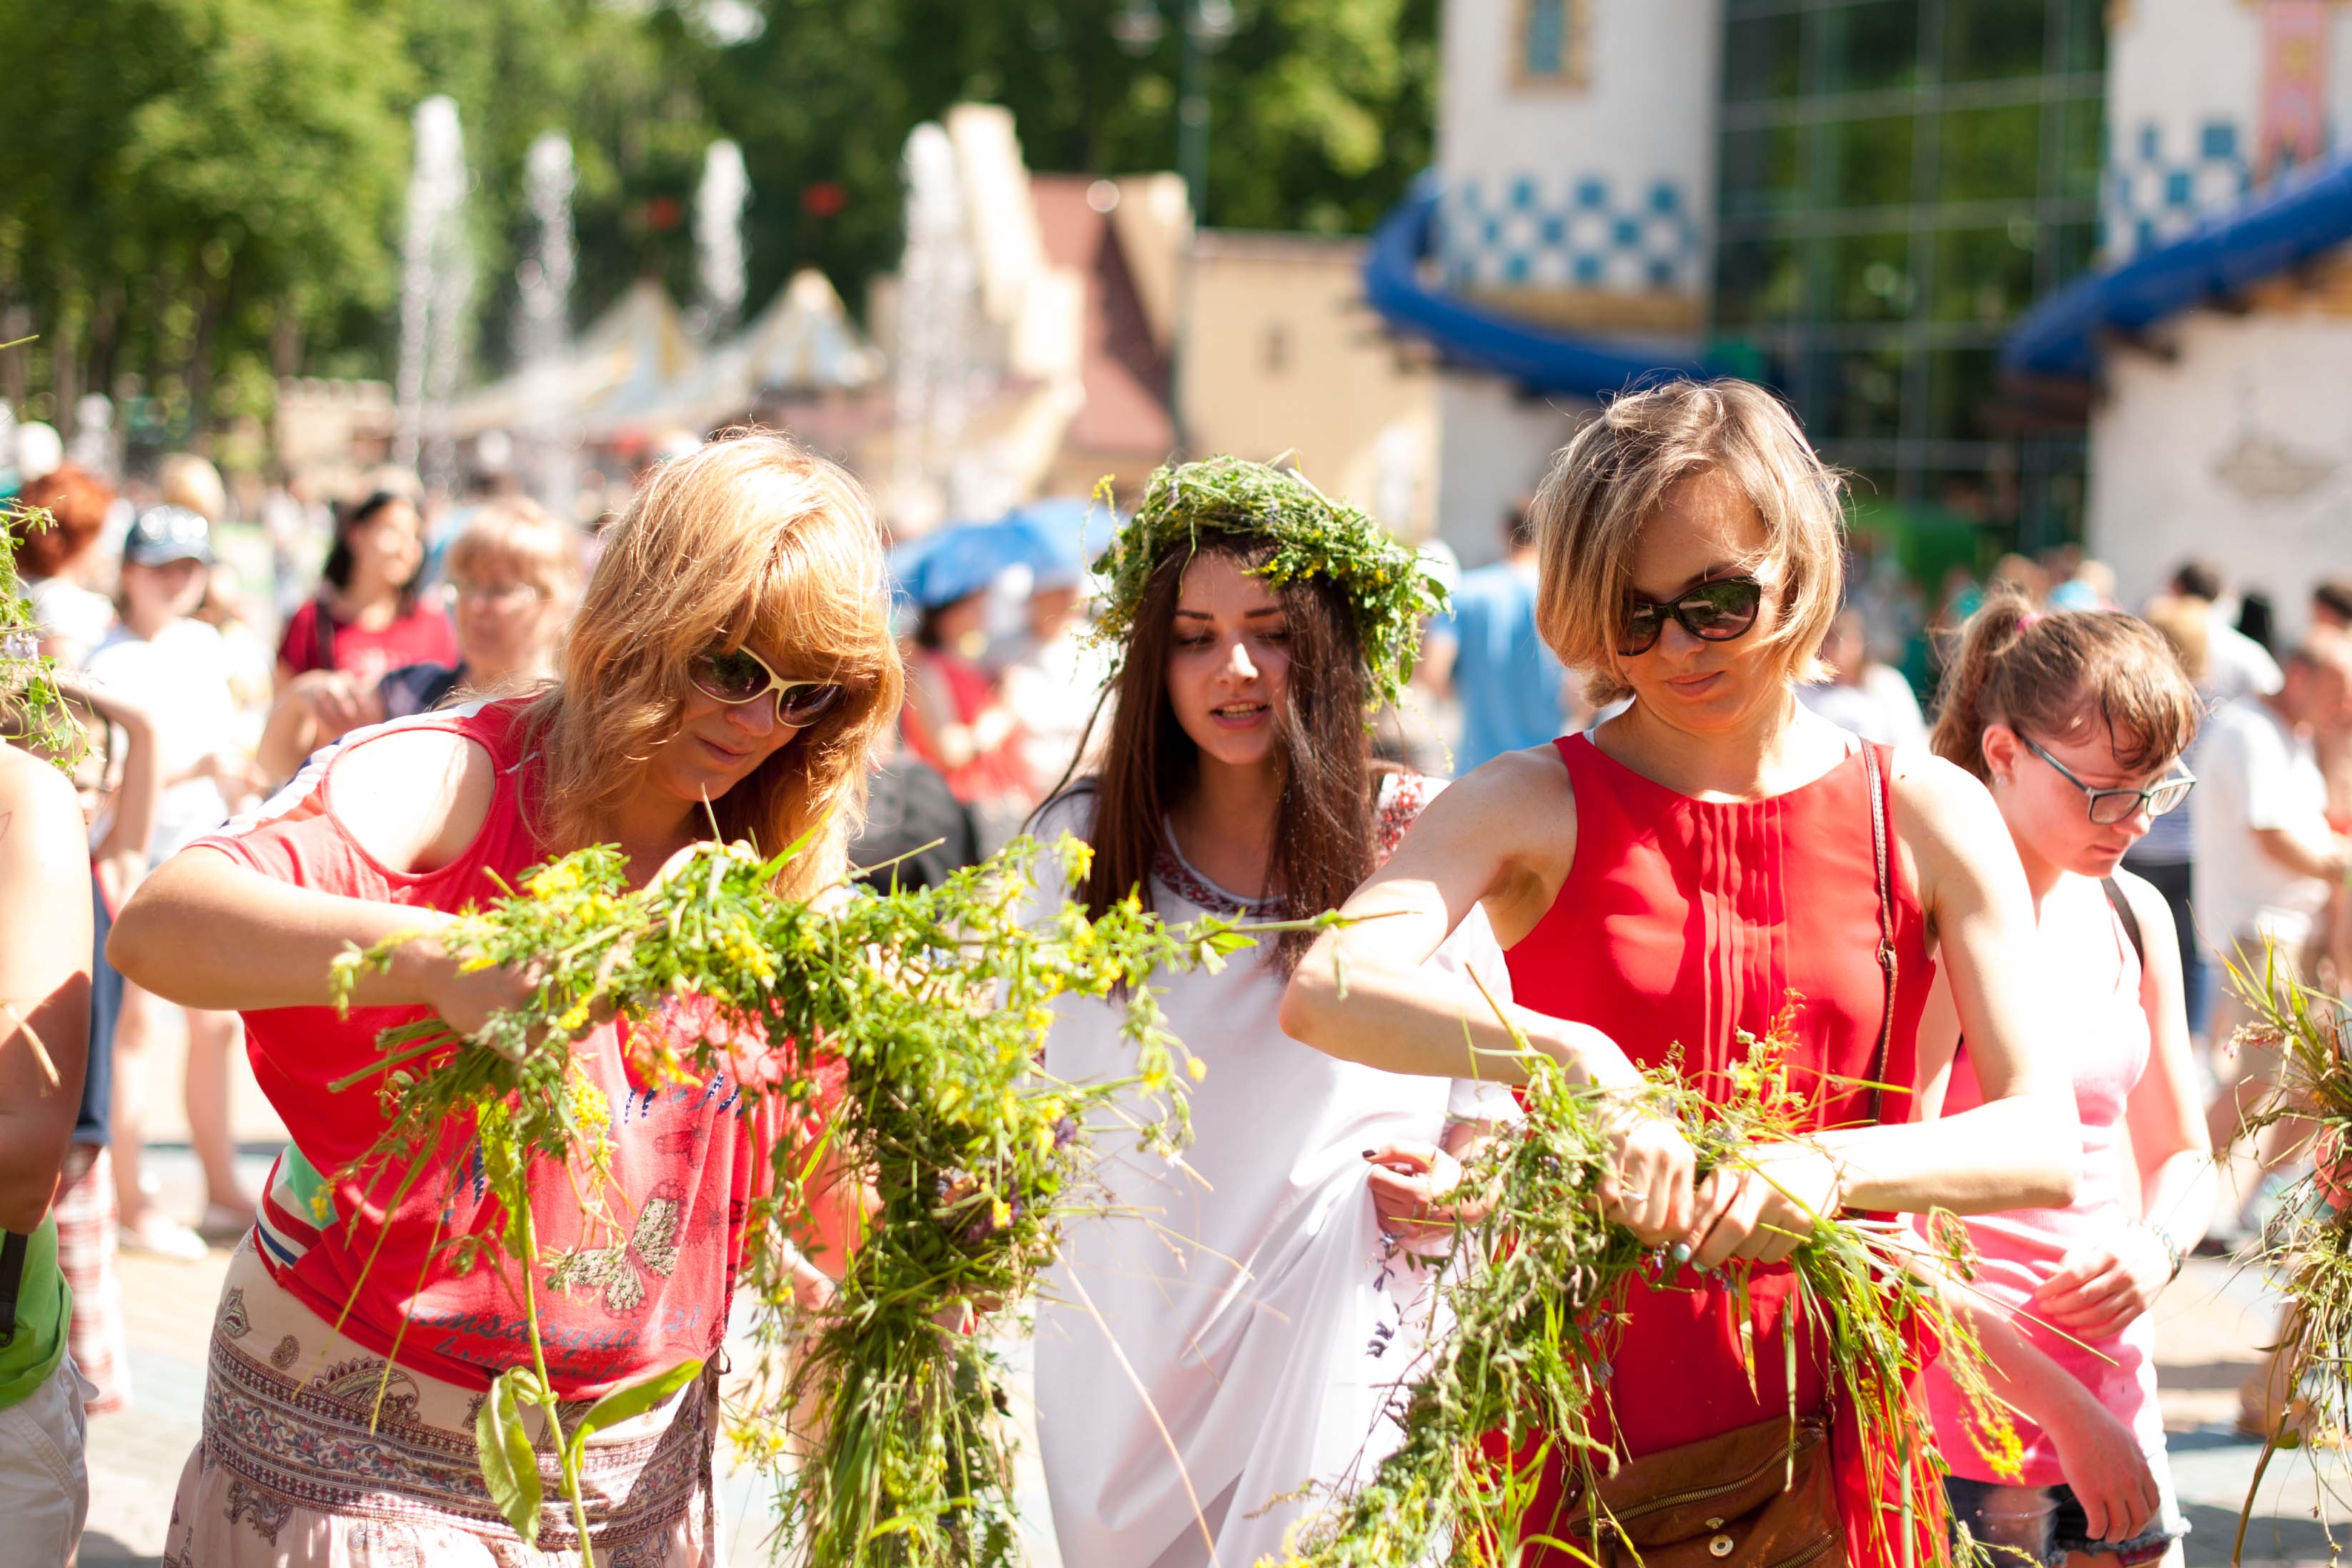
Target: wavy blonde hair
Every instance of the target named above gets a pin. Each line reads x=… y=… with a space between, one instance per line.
x=1609 y=481
x=750 y=537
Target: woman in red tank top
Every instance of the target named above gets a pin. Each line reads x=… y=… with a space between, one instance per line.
x=730 y=668
x=1687 y=870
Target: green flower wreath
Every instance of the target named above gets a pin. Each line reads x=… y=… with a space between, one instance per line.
x=31 y=709
x=1313 y=535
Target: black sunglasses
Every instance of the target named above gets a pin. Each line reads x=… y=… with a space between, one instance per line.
x=742 y=676
x=2109 y=806
x=1712 y=612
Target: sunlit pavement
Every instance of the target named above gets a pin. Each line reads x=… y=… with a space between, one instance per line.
x=2208 y=1325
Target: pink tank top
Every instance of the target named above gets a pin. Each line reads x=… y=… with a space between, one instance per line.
x=2101 y=1019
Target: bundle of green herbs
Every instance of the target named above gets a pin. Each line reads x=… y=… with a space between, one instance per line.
x=928 y=1009
x=2306 y=1243
x=31 y=708
x=1536 y=1288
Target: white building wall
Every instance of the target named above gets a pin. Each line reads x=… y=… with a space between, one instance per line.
x=1603 y=181
x=1497 y=446
x=2184 y=112
x=2239 y=451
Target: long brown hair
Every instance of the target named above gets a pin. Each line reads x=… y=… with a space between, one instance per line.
x=1324 y=842
x=751 y=536
x=2060 y=675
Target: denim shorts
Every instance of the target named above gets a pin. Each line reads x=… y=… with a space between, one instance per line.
x=2005 y=1519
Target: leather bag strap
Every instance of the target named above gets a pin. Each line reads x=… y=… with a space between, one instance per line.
x=1882 y=851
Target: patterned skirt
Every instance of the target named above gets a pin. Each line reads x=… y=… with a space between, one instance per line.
x=316 y=1453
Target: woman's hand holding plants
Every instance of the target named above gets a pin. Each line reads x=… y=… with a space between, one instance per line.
x=1759 y=1206
x=2101 y=1285
x=1651 y=1186
x=1409 y=1182
x=467 y=995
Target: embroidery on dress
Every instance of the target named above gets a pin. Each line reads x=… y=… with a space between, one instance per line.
x=356 y=1384
x=655 y=1241
x=232 y=1315
x=267 y=1512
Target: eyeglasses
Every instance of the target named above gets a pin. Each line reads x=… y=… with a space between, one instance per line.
x=1711 y=612
x=2109 y=806
x=497 y=595
x=742 y=676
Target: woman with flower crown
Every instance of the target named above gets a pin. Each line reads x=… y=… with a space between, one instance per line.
x=1231 y=1332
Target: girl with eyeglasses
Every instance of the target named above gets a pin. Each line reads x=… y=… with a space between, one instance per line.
x=513 y=574
x=2077 y=720
x=1685 y=871
x=730 y=671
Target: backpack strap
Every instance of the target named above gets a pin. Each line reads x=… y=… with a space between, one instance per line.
x=12 y=1282
x=2126 y=914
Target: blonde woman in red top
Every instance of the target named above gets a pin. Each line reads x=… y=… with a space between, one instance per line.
x=733 y=658
x=1688 y=868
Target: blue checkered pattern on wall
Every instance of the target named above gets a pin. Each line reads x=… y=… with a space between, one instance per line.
x=2158 y=186
x=1569 y=232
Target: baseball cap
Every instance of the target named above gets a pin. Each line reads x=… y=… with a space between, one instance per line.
x=163 y=534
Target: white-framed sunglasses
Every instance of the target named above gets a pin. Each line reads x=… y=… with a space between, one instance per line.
x=739 y=676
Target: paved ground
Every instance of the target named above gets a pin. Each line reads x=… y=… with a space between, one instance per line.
x=2208 y=1325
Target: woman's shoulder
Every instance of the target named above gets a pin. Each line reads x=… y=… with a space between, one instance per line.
x=413 y=794
x=40 y=815
x=1941 y=796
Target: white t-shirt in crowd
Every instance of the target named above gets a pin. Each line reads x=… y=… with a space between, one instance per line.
x=64 y=608
x=1053 y=686
x=1882 y=707
x=2236 y=665
x=2253 y=773
x=181 y=676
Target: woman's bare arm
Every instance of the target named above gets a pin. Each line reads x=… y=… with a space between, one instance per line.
x=2021 y=1148
x=120 y=858
x=2166 y=1114
x=45 y=951
x=206 y=932
x=1364 y=993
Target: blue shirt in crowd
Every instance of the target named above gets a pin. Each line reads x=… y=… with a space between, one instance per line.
x=1507 y=680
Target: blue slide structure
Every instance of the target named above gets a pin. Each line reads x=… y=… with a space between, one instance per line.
x=1538 y=359
x=2280 y=229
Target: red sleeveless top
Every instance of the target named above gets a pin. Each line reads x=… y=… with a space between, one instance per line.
x=617 y=1301
x=1681 y=922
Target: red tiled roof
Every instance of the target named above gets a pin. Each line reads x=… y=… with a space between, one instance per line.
x=1124 y=375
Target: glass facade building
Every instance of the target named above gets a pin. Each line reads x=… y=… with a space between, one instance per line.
x=1900 y=179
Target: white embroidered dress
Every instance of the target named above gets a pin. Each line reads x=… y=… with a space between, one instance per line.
x=1249 y=1289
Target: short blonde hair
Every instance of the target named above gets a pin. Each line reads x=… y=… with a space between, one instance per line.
x=750 y=537
x=1609 y=481
x=188 y=481
x=518 y=534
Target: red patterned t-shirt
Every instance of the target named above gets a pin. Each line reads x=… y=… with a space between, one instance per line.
x=617 y=1300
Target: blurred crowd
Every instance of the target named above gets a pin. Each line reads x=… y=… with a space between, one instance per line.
x=214 y=653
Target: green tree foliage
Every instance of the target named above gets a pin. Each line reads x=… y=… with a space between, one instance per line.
x=203 y=194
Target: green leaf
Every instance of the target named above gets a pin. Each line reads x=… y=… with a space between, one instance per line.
x=625 y=1403
x=510 y=1467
